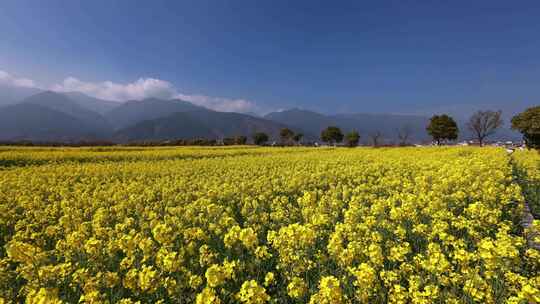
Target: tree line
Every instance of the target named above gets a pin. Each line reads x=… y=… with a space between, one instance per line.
x=485 y=123
x=442 y=129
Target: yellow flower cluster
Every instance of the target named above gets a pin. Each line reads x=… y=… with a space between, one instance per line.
x=217 y=275
x=297 y=288
x=329 y=292
x=252 y=293
x=267 y=225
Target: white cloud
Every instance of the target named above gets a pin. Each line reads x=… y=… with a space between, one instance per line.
x=220 y=103
x=10 y=80
x=151 y=87
x=108 y=90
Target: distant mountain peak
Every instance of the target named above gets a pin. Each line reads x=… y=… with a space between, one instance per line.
x=62 y=103
x=39 y=123
x=136 y=111
x=97 y=105
x=48 y=94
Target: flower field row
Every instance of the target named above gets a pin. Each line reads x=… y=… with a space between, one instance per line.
x=27 y=156
x=528 y=173
x=264 y=225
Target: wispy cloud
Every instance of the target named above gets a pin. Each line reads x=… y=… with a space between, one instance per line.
x=220 y=103
x=10 y=80
x=137 y=90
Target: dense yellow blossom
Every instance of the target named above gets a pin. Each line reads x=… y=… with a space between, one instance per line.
x=297 y=288
x=43 y=296
x=207 y=296
x=329 y=292
x=252 y=293
x=216 y=275
x=276 y=225
x=269 y=279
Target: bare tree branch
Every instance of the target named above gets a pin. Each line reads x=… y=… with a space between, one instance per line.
x=484 y=124
x=403 y=133
x=375 y=137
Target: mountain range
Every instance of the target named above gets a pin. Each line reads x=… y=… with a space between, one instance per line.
x=46 y=116
x=70 y=117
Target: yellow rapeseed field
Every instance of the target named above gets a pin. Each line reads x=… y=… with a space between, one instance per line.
x=266 y=225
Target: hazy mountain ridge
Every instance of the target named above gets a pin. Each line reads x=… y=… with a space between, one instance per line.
x=312 y=123
x=66 y=105
x=309 y=122
x=97 y=105
x=199 y=124
x=51 y=116
x=69 y=117
x=11 y=94
x=33 y=122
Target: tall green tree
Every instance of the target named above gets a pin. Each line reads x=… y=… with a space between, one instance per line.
x=332 y=135
x=442 y=128
x=352 y=139
x=528 y=124
x=260 y=138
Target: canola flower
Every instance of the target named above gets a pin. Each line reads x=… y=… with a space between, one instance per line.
x=263 y=225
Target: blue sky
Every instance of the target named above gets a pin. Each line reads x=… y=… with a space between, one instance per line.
x=330 y=56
